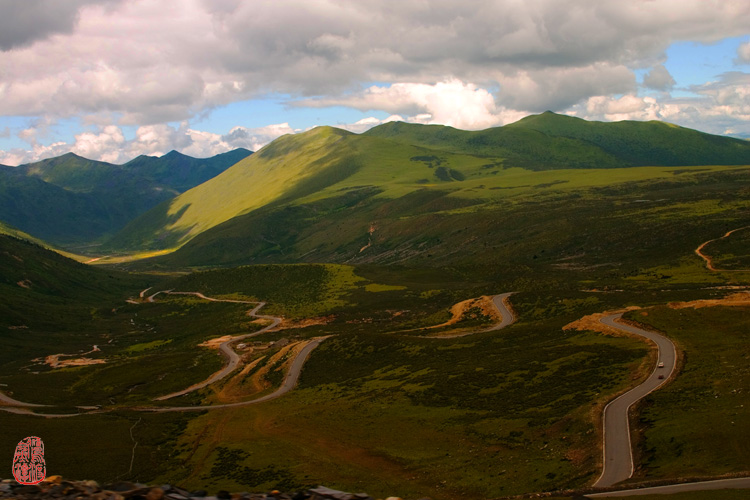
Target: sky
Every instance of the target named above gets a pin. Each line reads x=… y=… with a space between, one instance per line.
x=113 y=79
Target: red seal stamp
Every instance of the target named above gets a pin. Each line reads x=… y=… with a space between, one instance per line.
x=29 y=466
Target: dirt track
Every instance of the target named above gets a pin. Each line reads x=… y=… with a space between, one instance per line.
x=709 y=263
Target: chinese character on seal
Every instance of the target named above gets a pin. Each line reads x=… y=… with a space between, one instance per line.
x=28 y=461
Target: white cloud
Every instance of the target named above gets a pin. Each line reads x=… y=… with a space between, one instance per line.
x=468 y=64
x=161 y=61
x=366 y=124
x=722 y=107
x=452 y=102
x=557 y=88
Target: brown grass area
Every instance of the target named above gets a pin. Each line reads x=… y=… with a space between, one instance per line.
x=240 y=387
x=459 y=310
x=235 y=389
x=735 y=299
x=53 y=360
x=331 y=452
x=592 y=322
x=215 y=343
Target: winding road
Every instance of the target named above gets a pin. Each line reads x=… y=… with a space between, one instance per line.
x=501 y=303
x=290 y=381
x=618 y=451
x=718 y=484
x=709 y=262
x=225 y=348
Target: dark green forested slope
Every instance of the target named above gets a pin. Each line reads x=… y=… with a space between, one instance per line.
x=70 y=199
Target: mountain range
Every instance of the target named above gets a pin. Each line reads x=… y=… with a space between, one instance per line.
x=326 y=194
x=72 y=200
x=329 y=195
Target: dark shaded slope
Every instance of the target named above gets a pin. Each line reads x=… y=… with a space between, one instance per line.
x=41 y=287
x=70 y=199
x=181 y=172
x=51 y=212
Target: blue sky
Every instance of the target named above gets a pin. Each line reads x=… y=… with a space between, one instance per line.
x=112 y=79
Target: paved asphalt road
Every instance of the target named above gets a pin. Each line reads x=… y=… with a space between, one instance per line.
x=501 y=302
x=233 y=359
x=720 y=484
x=618 y=454
x=289 y=383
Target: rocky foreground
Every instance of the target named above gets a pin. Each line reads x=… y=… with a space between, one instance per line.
x=54 y=487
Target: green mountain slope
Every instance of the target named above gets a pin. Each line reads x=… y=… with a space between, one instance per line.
x=70 y=199
x=551 y=141
x=291 y=166
x=413 y=162
x=640 y=144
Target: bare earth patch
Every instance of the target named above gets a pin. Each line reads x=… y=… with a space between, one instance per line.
x=287 y=324
x=215 y=343
x=592 y=322
x=459 y=311
x=240 y=387
x=735 y=299
x=54 y=361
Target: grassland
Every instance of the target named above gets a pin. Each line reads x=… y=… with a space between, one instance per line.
x=698 y=425
x=375 y=413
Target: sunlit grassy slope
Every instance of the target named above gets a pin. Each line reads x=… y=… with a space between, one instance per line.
x=540 y=154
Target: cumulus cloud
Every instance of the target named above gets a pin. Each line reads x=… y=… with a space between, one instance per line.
x=467 y=64
x=24 y=22
x=109 y=143
x=722 y=107
x=558 y=88
x=183 y=58
x=454 y=103
x=658 y=78
x=366 y=124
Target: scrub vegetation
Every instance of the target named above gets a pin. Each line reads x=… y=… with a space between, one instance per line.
x=368 y=240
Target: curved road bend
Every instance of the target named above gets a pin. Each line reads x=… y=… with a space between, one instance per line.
x=225 y=348
x=14 y=402
x=501 y=303
x=718 y=484
x=618 y=453
x=290 y=381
